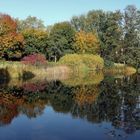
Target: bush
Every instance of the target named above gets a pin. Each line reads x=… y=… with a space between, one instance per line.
x=71 y=59
x=87 y=61
x=34 y=59
x=93 y=61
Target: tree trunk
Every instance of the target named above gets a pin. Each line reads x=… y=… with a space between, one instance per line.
x=55 y=59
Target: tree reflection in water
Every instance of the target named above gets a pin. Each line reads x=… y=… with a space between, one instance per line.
x=111 y=100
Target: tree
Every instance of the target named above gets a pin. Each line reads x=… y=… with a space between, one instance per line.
x=30 y=23
x=95 y=21
x=131 y=45
x=60 y=40
x=86 y=43
x=11 y=42
x=111 y=36
x=79 y=23
x=35 y=41
x=106 y=26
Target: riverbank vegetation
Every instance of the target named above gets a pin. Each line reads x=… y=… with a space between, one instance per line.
x=70 y=64
x=86 y=42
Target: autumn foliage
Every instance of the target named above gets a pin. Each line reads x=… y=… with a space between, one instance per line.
x=11 y=42
x=86 y=43
x=34 y=59
x=7 y=24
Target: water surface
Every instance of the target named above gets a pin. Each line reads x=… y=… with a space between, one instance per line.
x=96 y=107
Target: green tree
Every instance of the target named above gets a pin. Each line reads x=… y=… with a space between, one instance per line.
x=131 y=44
x=79 y=22
x=30 y=23
x=35 y=41
x=60 y=40
x=111 y=36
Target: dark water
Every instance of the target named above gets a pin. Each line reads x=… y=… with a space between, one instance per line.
x=100 y=108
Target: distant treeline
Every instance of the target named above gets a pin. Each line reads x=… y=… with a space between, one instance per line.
x=115 y=35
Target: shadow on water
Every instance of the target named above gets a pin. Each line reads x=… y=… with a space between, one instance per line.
x=95 y=98
x=27 y=75
x=4 y=77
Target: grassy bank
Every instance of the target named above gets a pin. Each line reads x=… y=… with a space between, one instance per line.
x=18 y=70
x=79 y=65
x=72 y=63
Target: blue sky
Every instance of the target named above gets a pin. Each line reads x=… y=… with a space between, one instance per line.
x=51 y=11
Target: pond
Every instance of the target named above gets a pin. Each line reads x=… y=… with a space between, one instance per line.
x=97 y=107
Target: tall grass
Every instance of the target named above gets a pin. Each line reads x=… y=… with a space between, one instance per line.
x=18 y=70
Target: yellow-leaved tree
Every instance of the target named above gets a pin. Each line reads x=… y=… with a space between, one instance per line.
x=86 y=43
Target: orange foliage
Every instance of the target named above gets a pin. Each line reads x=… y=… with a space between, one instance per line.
x=7 y=24
x=11 y=42
x=86 y=43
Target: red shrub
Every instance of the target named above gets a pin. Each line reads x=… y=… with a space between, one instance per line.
x=34 y=59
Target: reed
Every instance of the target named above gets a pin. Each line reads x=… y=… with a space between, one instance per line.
x=17 y=70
